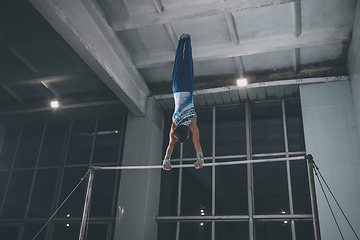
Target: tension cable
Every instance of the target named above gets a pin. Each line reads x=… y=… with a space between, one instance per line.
x=82 y=179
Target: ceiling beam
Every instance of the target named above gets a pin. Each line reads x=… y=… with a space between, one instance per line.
x=14 y=95
x=190 y=12
x=230 y=20
x=296 y=18
x=159 y=6
x=253 y=47
x=23 y=59
x=263 y=85
x=44 y=76
x=84 y=27
x=61 y=107
x=296 y=59
x=28 y=40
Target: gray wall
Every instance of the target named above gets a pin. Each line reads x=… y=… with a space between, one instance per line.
x=354 y=65
x=332 y=139
x=139 y=194
x=2 y=135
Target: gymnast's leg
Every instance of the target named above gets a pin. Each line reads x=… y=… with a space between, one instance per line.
x=178 y=64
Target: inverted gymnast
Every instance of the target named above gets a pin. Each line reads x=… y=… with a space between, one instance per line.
x=184 y=117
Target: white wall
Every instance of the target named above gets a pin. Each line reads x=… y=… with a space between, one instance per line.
x=139 y=193
x=354 y=65
x=331 y=137
x=2 y=135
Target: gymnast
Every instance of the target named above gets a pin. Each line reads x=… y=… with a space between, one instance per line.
x=184 y=117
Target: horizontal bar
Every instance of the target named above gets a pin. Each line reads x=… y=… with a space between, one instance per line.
x=42 y=220
x=201 y=218
x=204 y=165
x=234 y=218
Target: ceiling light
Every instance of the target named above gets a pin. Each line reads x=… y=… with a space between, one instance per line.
x=201 y=224
x=54 y=104
x=68 y=215
x=242 y=82
x=202 y=213
x=285 y=222
x=201 y=210
x=68 y=225
x=283 y=212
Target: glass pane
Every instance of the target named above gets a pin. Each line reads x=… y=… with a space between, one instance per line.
x=294 y=126
x=28 y=151
x=9 y=232
x=3 y=181
x=270 y=188
x=196 y=191
x=273 y=230
x=169 y=192
x=97 y=231
x=304 y=230
x=166 y=230
x=300 y=186
x=107 y=141
x=102 y=193
x=267 y=128
x=9 y=147
x=81 y=142
x=231 y=230
x=231 y=190
x=75 y=204
x=31 y=230
x=18 y=194
x=43 y=193
x=204 y=123
x=53 y=144
x=195 y=231
x=230 y=131
x=65 y=230
x=167 y=127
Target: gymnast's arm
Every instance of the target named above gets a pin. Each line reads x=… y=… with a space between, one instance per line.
x=195 y=134
x=172 y=141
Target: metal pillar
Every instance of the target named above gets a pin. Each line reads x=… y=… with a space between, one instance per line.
x=309 y=159
x=249 y=170
x=86 y=204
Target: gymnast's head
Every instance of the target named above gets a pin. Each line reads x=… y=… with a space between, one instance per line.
x=181 y=133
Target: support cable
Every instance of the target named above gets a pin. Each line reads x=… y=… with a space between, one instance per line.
x=52 y=216
x=327 y=200
x=316 y=169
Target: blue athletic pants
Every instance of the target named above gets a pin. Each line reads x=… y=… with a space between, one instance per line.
x=183 y=72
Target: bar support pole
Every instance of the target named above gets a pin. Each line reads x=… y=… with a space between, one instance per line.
x=316 y=223
x=86 y=204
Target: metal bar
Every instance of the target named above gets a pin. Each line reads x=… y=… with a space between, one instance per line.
x=11 y=170
x=233 y=217
x=313 y=199
x=204 y=165
x=177 y=237
x=249 y=170
x=94 y=140
x=86 y=204
x=35 y=171
x=213 y=174
x=288 y=169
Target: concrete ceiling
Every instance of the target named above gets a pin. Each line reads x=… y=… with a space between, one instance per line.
x=95 y=52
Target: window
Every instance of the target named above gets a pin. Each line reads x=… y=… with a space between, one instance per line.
x=41 y=164
x=265 y=182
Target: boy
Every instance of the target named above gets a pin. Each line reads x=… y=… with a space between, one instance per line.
x=184 y=117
